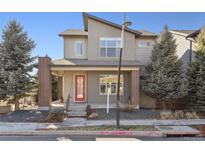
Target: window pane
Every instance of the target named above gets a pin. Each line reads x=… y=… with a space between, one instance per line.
x=80 y=87
x=111 y=43
x=144 y=44
x=113 y=88
x=103 y=89
x=103 y=52
x=102 y=43
x=110 y=81
x=79 y=48
x=111 y=52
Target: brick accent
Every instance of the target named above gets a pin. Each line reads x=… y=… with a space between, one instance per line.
x=44 y=76
x=135 y=87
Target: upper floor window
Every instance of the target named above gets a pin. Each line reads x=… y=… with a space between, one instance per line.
x=145 y=44
x=79 y=48
x=110 y=47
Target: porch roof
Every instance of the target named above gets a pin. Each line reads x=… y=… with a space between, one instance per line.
x=84 y=64
x=95 y=63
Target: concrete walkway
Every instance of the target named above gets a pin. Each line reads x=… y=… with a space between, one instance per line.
x=73 y=122
x=79 y=122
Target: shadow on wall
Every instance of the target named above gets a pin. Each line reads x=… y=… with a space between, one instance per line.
x=185 y=58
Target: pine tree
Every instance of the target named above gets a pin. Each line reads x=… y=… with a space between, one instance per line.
x=196 y=73
x=2 y=76
x=16 y=50
x=165 y=80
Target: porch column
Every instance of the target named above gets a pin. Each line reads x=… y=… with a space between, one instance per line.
x=135 y=87
x=44 y=77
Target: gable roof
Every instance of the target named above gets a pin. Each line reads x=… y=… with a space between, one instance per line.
x=194 y=33
x=84 y=32
x=182 y=32
x=86 y=16
x=74 y=32
x=147 y=33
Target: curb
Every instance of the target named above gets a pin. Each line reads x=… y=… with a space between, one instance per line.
x=98 y=133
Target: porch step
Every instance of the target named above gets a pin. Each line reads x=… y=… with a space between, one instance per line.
x=77 y=110
x=76 y=114
x=77 y=106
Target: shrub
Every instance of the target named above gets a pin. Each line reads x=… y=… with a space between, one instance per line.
x=166 y=115
x=179 y=115
x=192 y=115
x=88 y=110
x=56 y=115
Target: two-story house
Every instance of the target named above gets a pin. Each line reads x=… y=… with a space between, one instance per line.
x=90 y=64
x=186 y=44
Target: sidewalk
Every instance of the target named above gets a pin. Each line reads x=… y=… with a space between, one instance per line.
x=50 y=128
x=74 y=122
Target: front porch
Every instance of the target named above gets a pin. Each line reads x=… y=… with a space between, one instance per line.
x=87 y=84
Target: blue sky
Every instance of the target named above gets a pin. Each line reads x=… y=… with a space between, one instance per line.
x=44 y=28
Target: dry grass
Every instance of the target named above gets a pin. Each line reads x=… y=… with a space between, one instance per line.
x=178 y=115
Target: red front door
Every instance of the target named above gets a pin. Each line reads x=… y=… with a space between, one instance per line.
x=80 y=88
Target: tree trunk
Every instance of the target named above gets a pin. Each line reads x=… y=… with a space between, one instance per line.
x=16 y=101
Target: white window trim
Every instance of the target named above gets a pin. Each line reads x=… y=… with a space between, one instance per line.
x=77 y=55
x=106 y=39
x=113 y=94
x=151 y=44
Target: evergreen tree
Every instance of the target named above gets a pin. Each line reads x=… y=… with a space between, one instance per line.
x=2 y=76
x=16 y=50
x=165 y=80
x=196 y=73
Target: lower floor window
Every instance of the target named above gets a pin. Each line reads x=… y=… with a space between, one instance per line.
x=110 y=82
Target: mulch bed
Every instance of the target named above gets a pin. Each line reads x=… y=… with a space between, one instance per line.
x=136 y=114
x=24 y=116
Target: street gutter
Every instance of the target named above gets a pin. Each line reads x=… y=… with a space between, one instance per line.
x=98 y=133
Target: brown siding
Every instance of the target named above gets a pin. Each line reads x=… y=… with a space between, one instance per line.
x=135 y=87
x=44 y=76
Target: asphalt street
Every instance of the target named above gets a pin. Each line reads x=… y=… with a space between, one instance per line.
x=94 y=138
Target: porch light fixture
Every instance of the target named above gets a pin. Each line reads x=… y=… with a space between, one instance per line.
x=124 y=25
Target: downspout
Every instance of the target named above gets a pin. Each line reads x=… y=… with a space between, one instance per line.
x=190 y=58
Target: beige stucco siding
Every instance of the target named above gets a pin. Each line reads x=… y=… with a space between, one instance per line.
x=183 y=48
x=94 y=96
x=143 y=54
x=69 y=46
x=92 y=86
x=68 y=85
x=97 y=30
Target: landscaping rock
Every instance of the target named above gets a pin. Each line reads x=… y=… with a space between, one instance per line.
x=5 y=109
x=93 y=115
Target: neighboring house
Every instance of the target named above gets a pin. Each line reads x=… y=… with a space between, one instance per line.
x=185 y=45
x=90 y=63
